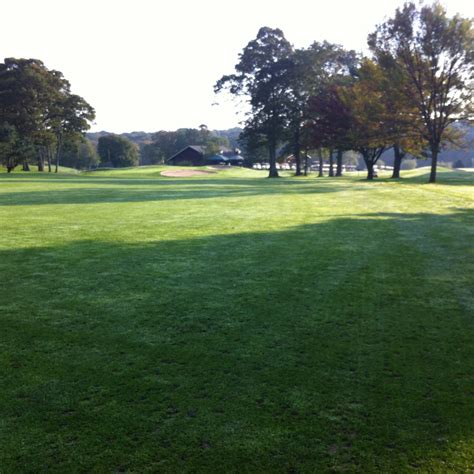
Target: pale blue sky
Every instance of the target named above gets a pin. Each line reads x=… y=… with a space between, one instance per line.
x=151 y=65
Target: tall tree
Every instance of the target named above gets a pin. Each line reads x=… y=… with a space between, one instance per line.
x=371 y=127
x=435 y=56
x=24 y=100
x=402 y=116
x=38 y=102
x=70 y=119
x=262 y=76
x=311 y=71
x=8 y=142
x=328 y=123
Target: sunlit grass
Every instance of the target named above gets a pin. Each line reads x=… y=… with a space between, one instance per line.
x=229 y=322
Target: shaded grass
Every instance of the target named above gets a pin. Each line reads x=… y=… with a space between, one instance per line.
x=238 y=325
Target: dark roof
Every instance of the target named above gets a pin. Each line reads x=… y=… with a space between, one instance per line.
x=200 y=149
x=217 y=158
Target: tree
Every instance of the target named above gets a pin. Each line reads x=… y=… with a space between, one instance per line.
x=311 y=71
x=70 y=118
x=80 y=154
x=254 y=148
x=24 y=98
x=370 y=130
x=165 y=144
x=8 y=140
x=151 y=154
x=402 y=117
x=261 y=76
x=117 y=151
x=434 y=55
x=39 y=104
x=328 y=123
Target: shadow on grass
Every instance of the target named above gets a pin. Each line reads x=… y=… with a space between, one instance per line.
x=341 y=345
x=137 y=190
x=444 y=177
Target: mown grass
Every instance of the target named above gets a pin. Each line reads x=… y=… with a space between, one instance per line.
x=231 y=323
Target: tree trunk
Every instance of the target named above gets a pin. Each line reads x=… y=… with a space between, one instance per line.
x=370 y=169
x=321 y=162
x=49 y=160
x=331 y=163
x=306 y=164
x=339 y=163
x=58 y=152
x=298 y=162
x=273 y=173
x=297 y=153
x=397 y=163
x=40 y=161
x=434 y=164
x=26 y=166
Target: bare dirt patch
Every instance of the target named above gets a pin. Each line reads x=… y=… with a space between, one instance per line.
x=184 y=173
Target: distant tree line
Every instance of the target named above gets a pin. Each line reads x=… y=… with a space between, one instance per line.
x=407 y=96
x=142 y=148
x=39 y=115
x=165 y=144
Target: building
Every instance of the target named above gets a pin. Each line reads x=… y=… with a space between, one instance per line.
x=195 y=155
x=192 y=155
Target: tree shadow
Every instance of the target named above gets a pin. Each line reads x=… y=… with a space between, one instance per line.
x=138 y=190
x=451 y=178
x=340 y=345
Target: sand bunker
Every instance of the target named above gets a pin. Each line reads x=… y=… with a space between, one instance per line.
x=184 y=173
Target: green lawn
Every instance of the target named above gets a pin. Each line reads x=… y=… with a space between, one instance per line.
x=231 y=323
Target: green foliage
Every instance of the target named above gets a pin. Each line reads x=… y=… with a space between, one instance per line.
x=8 y=140
x=231 y=137
x=433 y=55
x=166 y=144
x=80 y=155
x=311 y=71
x=354 y=115
x=39 y=104
x=262 y=76
x=151 y=154
x=253 y=147
x=117 y=151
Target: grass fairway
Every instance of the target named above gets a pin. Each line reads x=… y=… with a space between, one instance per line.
x=231 y=323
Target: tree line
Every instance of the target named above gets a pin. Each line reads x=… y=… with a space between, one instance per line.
x=141 y=148
x=408 y=95
x=416 y=84
x=165 y=144
x=39 y=114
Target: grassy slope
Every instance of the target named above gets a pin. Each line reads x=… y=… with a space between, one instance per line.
x=232 y=323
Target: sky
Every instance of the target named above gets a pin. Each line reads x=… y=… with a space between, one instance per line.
x=148 y=65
